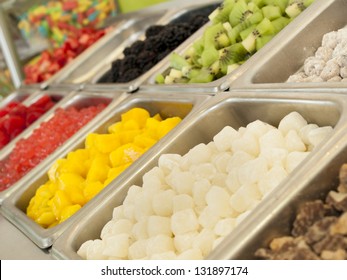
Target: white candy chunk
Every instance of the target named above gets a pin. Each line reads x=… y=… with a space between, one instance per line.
x=240 y=218
x=184 y=221
x=192 y=254
x=304 y=132
x=272 y=179
x=95 y=250
x=272 y=139
x=118 y=213
x=317 y=135
x=251 y=171
x=238 y=159
x=217 y=200
x=82 y=251
x=245 y=198
x=162 y=203
x=204 y=241
x=168 y=162
x=115 y=227
x=107 y=229
x=294 y=142
x=129 y=212
x=139 y=230
x=181 y=182
x=159 y=244
x=275 y=156
x=152 y=184
x=117 y=245
x=143 y=206
x=157 y=225
x=170 y=255
x=292 y=121
x=208 y=219
x=224 y=226
x=221 y=161
x=184 y=242
x=247 y=143
x=217 y=242
x=182 y=202
x=232 y=181
x=137 y=250
x=213 y=147
x=258 y=128
x=203 y=170
x=294 y=159
x=224 y=138
x=132 y=194
x=200 y=188
x=220 y=180
x=201 y=153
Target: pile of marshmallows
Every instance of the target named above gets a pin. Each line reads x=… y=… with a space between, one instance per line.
x=188 y=204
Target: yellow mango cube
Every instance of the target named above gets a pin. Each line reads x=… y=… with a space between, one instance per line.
x=45 y=219
x=151 y=128
x=144 y=142
x=137 y=114
x=166 y=125
x=128 y=136
x=92 y=189
x=127 y=153
x=132 y=125
x=116 y=127
x=98 y=169
x=68 y=211
x=59 y=202
x=106 y=143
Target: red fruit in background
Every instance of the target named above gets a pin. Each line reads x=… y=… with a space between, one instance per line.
x=4 y=139
x=14 y=125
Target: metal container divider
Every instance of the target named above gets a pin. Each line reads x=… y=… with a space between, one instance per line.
x=64 y=103
x=13 y=207
x=227 y=81
x=57 y=96
x=287 y=55
x=274 y=218
x=168 y=17
x=234 y=109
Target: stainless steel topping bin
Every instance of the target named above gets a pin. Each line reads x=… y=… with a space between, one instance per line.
x=67 y=98
x=14 y=206
x=95 y=62
x=301 y=40
x=234 y=109
x=227 y=81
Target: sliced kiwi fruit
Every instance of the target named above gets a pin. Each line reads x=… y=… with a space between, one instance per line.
x=231 y=55
x=271 y=12
x=295 y=7
x=265 y=27
x=208 y=56
x=221 y=14
x=280 y=23
x=262 y=41
x=204 y=76
x=241 y=12
x=177 y=61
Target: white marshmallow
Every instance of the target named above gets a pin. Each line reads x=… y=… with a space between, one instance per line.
x=224 y=138
x=117 y=245
x=184 y=221
x=182 y=202
x=292 y=121
x=162 y=203
x=157 y=225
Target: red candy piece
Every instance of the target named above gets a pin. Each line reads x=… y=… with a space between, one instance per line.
x=43 y=141
x=16 y=117
x=50 y=62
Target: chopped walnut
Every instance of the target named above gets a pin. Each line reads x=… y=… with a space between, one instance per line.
x=292 y=249
x=340 y=226
x=337 y=200
x=308 y=214
x=319 y=230
x=334 y=255
x=342 y=188
x=331 y=243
